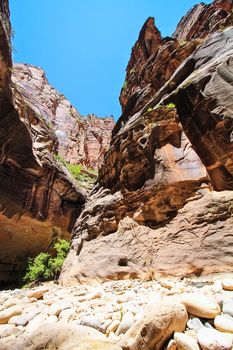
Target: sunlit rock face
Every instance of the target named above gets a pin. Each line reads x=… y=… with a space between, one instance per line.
x=82 y=140
x=163 y=201
x=39 y=199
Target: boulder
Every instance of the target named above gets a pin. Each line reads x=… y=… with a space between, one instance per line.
x=8 y=329
x=224 y=323
x=210 y=339
x=227 y=283
x=227 y=307
x=97 y=345
x=155 y=328
x=185 y=342
x=171 y=345
x=195 y=324
x=201 y=305
x=126 y=322
x=6 y=314
x=61 y=336
x=37 y=293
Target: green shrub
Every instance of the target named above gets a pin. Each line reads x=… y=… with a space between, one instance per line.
x=149 y=110
x=171 y=105
x=45 y=267
x=37 y=268
x=80 y=173
x=74 y=169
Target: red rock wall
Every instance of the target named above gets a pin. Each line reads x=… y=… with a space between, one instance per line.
x=80 y=140
x=39 y=200
x=156 y=207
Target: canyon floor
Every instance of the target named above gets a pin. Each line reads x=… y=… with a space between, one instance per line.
x=123 y=314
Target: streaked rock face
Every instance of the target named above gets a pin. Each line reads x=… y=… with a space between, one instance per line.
x=154 y=207
x=205 y=104
x=39 y=200
x=203 y=19
x=79 y=140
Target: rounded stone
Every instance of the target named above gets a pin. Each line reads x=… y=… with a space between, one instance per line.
x=211 y=339
x=171 y=345
x=126 y=322
x=6 y=314
x=194 y=323
x=60 y=335
x=156 y=327
x=224 y=323
x=227 y=284
x=91 y=321
x=227 y=307
x=200 y=305
x=8 y=329
x=185 y=342
x=37 y=293
x=97 y=345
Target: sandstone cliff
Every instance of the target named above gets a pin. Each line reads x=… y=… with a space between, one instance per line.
x=163 y=203
x=81 y=140
x=39 y=199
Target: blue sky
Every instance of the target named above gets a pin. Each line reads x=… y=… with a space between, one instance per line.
x=84 y=45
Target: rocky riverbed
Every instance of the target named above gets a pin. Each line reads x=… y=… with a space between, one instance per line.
x=189 y=313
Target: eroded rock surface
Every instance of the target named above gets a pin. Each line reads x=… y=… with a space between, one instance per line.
x=185 y=245
x=154 y=205
x=38 y=202
x=81 y=140
x=39 y=199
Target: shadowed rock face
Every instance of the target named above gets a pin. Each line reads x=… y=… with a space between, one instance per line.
x=154 y=208
x=154 y=59
x=39 y=200
x=148 y=70
x=205 y=107
x=204 y=103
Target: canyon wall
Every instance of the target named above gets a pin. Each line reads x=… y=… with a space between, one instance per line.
x=163 y=203
x=80 y=140
x=39 y=199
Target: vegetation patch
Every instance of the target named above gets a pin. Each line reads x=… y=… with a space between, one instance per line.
x=74 y=169
x=84 y=176
x=46 y=266
x=171 y=105
x=187 y=83
x=124 y=87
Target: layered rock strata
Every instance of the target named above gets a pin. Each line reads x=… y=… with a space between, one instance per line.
x=39 y=199
x=81 y=140
x=156 y=204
